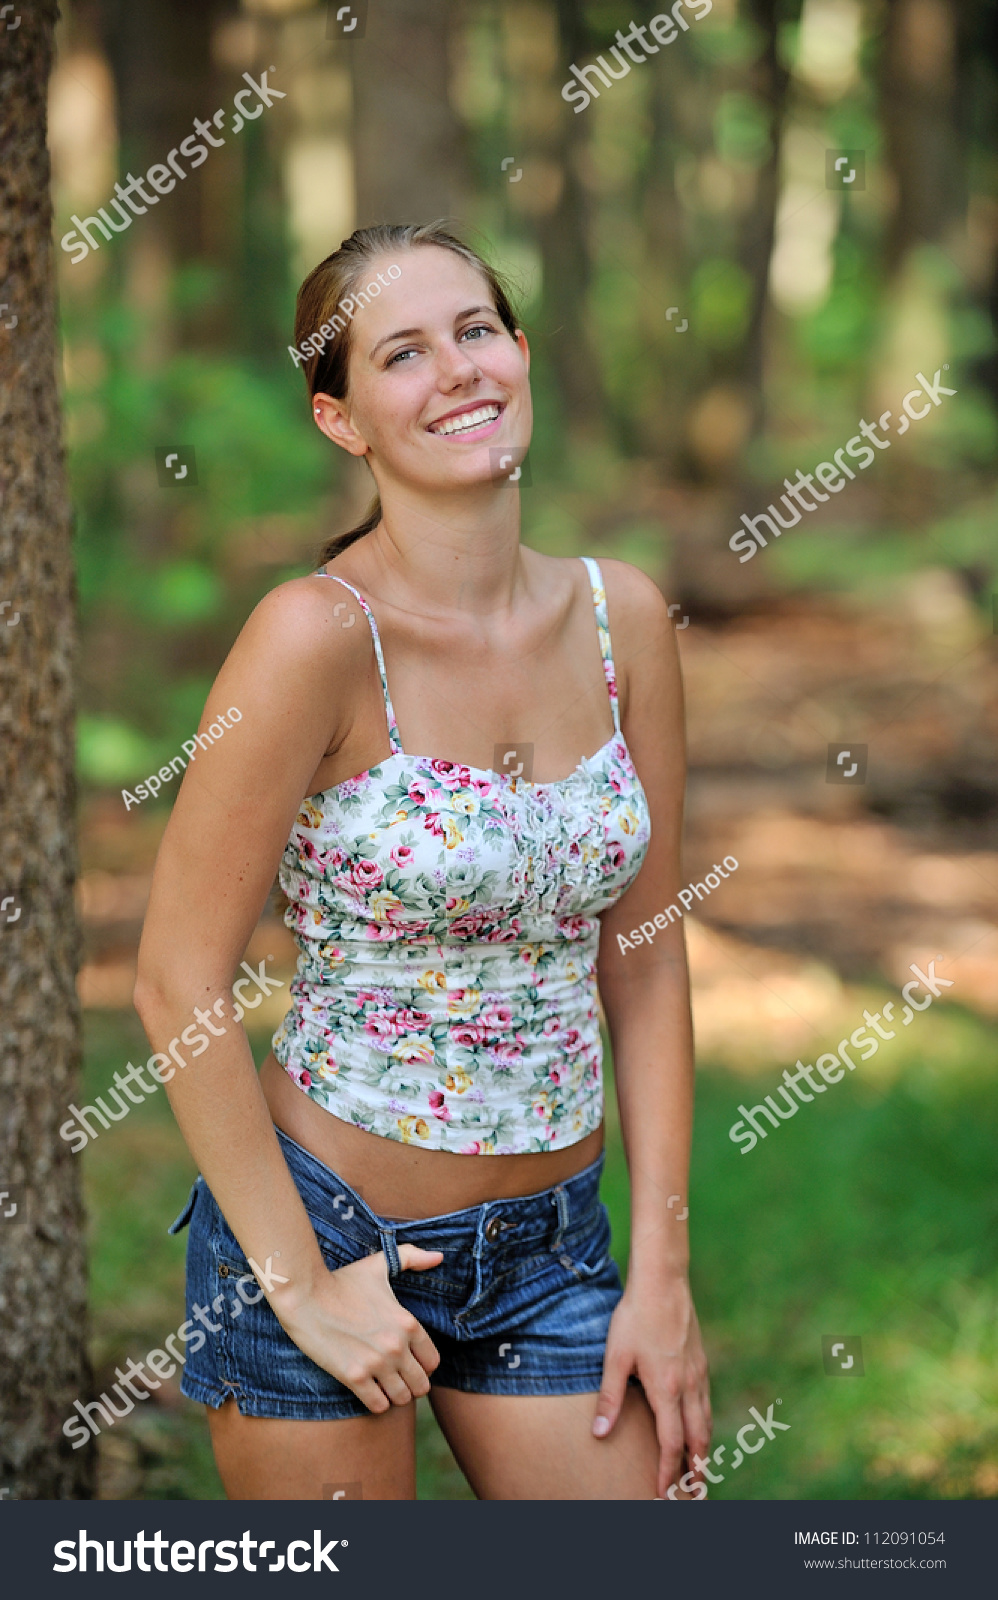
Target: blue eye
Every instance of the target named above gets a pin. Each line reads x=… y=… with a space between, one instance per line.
x=479 y=327
x=398 y=355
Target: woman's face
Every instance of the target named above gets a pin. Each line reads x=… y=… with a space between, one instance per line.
x=438 y=392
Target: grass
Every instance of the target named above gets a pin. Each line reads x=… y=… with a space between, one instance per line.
x=873 y=1212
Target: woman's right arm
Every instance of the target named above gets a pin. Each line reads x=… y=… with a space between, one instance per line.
x=293 y=673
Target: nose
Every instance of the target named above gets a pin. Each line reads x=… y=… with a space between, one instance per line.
x=456 y=365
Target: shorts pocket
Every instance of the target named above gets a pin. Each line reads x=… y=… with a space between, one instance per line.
x=185 y=1216
x=585 y=1248
x=342 y=1246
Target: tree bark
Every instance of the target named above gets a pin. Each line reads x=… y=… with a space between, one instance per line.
x=918 y=89
x=408 y=144
x=43 y=1364
x=565 y=240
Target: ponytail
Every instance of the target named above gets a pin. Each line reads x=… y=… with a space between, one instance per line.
x=341 y=541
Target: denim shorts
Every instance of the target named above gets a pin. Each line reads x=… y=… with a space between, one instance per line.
x=520 y=1304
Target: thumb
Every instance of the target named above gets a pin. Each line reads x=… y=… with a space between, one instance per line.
x=412 y=1258
x=616 y=1370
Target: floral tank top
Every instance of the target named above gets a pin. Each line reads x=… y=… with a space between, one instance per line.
x=447 y=919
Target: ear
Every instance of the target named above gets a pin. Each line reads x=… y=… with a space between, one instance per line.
x=523 y=347
x=333 y=419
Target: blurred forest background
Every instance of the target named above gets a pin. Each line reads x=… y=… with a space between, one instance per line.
x=707 y=316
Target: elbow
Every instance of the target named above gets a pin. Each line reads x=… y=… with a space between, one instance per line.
x=146 y=995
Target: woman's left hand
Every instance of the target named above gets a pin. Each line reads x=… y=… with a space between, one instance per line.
x=654 y=1333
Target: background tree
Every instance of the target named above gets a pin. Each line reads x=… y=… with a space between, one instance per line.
x=42 y=1274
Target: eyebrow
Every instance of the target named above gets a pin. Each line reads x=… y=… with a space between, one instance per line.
x=411 y=333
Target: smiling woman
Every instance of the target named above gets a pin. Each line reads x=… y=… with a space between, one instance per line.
x=425 y=1140
x=336 y=280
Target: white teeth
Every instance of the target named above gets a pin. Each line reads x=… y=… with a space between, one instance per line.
x=469 y=419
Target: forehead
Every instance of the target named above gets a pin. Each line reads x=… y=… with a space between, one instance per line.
x=432 y=285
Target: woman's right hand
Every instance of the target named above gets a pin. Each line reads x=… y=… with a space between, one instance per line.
x=352 y=1326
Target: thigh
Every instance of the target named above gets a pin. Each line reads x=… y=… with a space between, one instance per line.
x=541 y=1447
x=273 y=1458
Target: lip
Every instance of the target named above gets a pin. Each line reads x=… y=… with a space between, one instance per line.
x=484 y=432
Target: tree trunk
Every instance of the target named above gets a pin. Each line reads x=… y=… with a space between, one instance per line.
x=408 y=144
x=43 y=1364
x=918 y=87
x=564 y=238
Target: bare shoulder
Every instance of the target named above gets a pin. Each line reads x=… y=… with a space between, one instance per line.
x=308 y=621
x=632 y=597
x=645 y=650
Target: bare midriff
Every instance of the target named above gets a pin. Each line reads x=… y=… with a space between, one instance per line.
x=402 y=1181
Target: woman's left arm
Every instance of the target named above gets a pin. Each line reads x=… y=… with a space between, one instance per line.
x=644 y=987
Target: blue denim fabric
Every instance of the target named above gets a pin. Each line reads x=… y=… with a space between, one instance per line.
x=520 y=1304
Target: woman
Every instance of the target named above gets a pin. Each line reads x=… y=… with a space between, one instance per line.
x=411 y=1184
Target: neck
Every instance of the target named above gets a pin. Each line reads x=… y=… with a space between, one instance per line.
x=455 y=553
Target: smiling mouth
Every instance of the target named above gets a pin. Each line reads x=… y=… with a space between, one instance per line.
x=468 y=421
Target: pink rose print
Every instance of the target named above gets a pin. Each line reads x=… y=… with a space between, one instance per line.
x=420 y=792
x=409 y=1021
x=349 y=886
x=431 y=822
x=615 y=854
x=437 y=1106
x=574 y=927
x=367 y=874
x=507 y=1052
x=469 y=1034
x=451 y=776
x=380 y=1025
x=498 y=1019
x=403 y=856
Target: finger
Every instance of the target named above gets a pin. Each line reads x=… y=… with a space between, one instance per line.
x=696 y=1426
x=369 y=1395
x=616 y=1371
x=395 y=1387
x=669 y=1428
x=412 y=1258
x=414 y=1375
x=424 y=1350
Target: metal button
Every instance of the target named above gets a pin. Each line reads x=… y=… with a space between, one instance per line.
x=493 y=1229
x=223 y=1271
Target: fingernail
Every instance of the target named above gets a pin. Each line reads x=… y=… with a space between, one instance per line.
x=601 y=1427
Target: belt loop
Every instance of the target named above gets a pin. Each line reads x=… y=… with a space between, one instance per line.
x=560 y=1199
x=388 y=1245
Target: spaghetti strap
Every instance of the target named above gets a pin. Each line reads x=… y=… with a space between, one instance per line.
x=393 y=732
x=603 y=629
